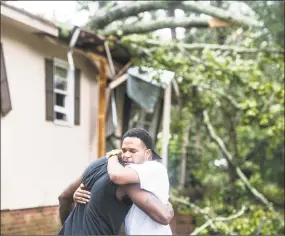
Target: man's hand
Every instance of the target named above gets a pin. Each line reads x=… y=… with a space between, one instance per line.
x=115 y=152
x=81 y=196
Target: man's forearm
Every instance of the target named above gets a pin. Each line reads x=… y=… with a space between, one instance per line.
x=65 y=208
x=149 y=203
x=66 y=199
x=114 y=166
x=119 y=174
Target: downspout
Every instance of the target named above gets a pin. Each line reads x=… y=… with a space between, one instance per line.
x=113 y=99
x=71 y=71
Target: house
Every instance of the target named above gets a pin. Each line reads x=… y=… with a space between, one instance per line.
x=49 y=116
x=64 y=101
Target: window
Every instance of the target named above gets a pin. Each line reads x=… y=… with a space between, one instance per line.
x=6 y=105
x=62 y=93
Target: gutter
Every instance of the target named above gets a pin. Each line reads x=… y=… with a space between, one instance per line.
x=71 y=70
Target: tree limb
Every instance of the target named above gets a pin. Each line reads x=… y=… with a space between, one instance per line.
x=196 y=208
x=229 y=158
x=209 y=220
x=106 y=16
x=204 y=226
x=201 y=228
x=221 y=14
x=201 y=46
x=152 y=25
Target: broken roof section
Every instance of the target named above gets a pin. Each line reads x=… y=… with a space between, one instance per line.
x=88 y=41
x=145 y=85
x=93 y=42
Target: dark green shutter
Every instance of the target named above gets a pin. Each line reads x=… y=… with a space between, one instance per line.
x=6 y=105
x=77 y=97
x=49 y=89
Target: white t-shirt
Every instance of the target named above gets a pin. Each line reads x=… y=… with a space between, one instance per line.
x=153 y=178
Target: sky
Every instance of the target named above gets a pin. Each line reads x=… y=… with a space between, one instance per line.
x=63 y=11
x=66 y=11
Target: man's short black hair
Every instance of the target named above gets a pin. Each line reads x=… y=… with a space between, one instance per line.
x=141 y=134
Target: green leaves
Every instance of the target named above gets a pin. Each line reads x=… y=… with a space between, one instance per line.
x=245 y=98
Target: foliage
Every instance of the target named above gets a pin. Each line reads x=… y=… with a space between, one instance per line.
x=244 y=96
x=245 y=99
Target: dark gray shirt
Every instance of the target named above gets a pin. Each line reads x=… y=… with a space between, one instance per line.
x=103 y=214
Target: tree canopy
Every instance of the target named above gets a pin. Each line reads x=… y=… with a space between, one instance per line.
x=227 y=133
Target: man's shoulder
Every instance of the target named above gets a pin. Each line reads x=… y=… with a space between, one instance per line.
x=98 y=161
x=155 y=164
x=94 y=165
x=149 y=167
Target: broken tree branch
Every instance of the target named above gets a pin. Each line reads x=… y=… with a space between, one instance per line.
x=195 y=208
x=107 y=16
x=209 y=221
x=229 y=158
x=152 y=25
x=204 y=226
x=202 y=46
x=221 y=14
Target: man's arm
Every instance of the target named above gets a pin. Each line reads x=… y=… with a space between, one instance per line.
x=66 y=199
x=147 y=202
x=119 y=174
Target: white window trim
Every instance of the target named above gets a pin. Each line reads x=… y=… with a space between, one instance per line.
x=69 y=109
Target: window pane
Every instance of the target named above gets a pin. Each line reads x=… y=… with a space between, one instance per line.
x=60 y=116
x=60 y=84
x=62 y=72
x=60 y=100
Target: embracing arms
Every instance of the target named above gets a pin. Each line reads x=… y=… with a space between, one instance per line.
x=150 y=204
x=66 y=199
x=120 y=174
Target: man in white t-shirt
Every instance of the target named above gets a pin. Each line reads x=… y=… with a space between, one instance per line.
x=139 y=166
x=153 y=178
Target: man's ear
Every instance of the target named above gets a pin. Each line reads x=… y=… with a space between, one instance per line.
x=149 y=154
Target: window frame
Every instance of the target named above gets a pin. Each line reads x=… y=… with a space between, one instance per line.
x=68 y=109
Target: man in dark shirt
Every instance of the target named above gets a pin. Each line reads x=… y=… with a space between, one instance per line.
x=108 y=205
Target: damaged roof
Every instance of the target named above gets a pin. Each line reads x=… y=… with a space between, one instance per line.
x=88 y=41
x=92 y=42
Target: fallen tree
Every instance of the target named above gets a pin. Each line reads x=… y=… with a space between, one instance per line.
x=119 y=12
x=152 y=25
x=202 y=46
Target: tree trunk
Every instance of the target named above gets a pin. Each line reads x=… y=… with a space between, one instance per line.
x=152 y=25
x=184 y=153
x=198 y=135
x=107 y=16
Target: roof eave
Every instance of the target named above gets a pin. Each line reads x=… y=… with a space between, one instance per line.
x=30 y=21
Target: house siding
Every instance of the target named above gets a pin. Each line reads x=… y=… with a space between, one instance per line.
x=38 y=158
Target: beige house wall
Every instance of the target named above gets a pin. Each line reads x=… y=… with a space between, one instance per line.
x=38 y=158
